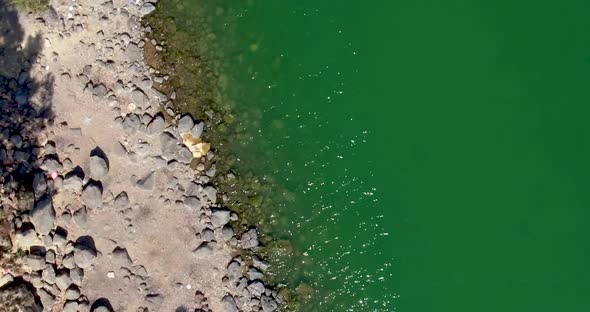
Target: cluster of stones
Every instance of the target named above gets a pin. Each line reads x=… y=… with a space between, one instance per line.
x=54 y=263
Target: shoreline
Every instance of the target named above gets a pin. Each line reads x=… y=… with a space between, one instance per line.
x=116 y=209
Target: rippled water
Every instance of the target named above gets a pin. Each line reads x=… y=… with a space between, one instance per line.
x=423 y=156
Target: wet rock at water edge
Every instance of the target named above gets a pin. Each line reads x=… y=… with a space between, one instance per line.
x=185 y=124
x=268 y=304
x=147 y=8
x=249 y=239
x=219 y=217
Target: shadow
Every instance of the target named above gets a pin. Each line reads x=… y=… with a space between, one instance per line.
x=181 y=309
x=86 y=241
x=102 y=302
x=26 y=111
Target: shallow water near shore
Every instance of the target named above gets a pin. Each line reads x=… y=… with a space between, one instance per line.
x=422 y=157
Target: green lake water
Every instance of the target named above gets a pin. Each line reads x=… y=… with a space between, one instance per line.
x=425 y=155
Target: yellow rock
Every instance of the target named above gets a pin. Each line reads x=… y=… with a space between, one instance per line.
x=196 y=145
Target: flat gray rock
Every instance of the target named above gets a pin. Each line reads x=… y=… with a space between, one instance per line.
x=219 y=217
x=131 y=123
x=256 y=288
x=229 y=304
x=84 y=257
x=43 y=215
x=185 y=124
x=268 y=304
x=197 y=129
x=72 y=182
x=204 y=250
x=98 y=168
x=147 y=183
x=156 y=126
x=92 y=195
x=249 y=239
x=192 y=202
x=35 y=262
x=211 y=193
x=147 y=8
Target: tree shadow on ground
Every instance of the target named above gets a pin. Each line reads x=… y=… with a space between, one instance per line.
x=25 y=111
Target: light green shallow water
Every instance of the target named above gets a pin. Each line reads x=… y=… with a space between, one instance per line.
x=427 y=155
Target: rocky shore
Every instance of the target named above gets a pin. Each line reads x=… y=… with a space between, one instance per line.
x=106 y=192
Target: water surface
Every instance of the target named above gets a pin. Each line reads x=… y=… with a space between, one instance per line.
x=426 y=155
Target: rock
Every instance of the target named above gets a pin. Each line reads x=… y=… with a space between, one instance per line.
x=157 y=125
x=92 y=195
x=192 y=202
x=249 y=239
x=227 y=233
x=204 y=250
x=259 y=263
x=211 y=193
x=268 y=304
x=121 y=256
x=219 y=217
x=59 y=239
x=254 y=274
x=139 y=97
x=68 y=261
x=77 y=276
x=99 y=90
x=50 y=256
x=256 y=288
x=122 y=200
x=43 y=215
x=81 y=217
x=197 y=130
x=131 y=123
x=234 y=270
x=18 y=298
x=47 y=300
x=155 y=299
x=25 y=239
x=72 y=293
x=72 y=182
x=63 y=281
x=185 y=124
x=184 y=155
x=169 y=145
x=207 y=235
x=50 y=165
x=84 y=257
x=70 y=306
x=5 y=280
x=119 y=150
x=147 y=183
x=98 y=167
x=48 y=275
x=39 y=184
x=229 y=304
x=147 y=8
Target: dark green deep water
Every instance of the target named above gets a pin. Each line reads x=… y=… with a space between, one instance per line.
x=427 y=155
